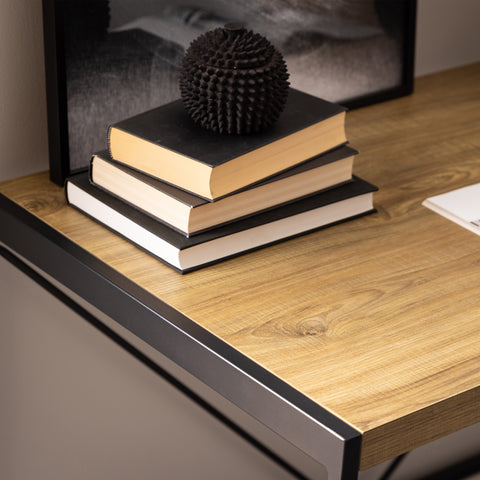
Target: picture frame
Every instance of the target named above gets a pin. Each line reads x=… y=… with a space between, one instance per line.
x=106 y=60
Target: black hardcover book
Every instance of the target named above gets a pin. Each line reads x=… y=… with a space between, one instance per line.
x=189 y=253
x=167 y=144
x=191 y=214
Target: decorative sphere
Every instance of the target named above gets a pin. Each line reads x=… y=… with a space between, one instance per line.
x=233 y=81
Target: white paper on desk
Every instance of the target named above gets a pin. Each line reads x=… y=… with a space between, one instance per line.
x=461 y=206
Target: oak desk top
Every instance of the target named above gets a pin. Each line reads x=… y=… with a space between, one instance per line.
x=376 y=319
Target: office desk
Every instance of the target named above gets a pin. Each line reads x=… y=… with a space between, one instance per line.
x=355 y=343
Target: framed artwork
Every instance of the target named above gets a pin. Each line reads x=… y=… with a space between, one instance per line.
x=106 y=60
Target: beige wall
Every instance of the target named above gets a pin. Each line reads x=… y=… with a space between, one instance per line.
x=23 y=131
x=447 y=34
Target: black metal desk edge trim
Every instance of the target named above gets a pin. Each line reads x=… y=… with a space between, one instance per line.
x=188 y=344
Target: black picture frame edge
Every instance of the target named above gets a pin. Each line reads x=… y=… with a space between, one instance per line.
x=406 y=87
x=57 y=117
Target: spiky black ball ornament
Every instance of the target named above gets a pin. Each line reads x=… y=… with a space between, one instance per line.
x=233 y=81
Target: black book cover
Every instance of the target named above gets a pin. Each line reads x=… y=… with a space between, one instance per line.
x=357 y=187
x=170 y=127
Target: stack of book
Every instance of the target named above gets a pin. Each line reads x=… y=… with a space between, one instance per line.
x=192 y=197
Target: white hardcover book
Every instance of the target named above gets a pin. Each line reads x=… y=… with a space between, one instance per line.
x=461 y=206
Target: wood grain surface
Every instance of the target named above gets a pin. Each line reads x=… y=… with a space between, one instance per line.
x=377 y=319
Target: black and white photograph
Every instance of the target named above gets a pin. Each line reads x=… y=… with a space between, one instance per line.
x=115 y=58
